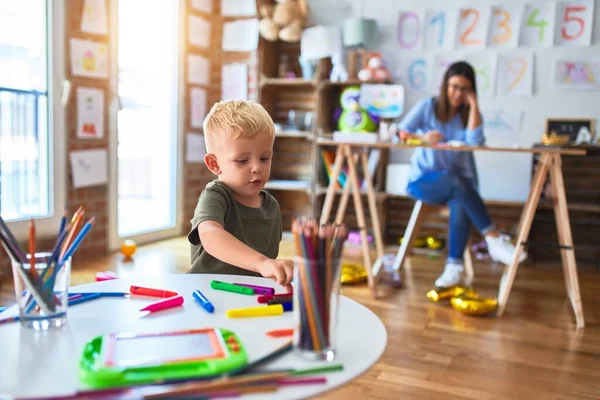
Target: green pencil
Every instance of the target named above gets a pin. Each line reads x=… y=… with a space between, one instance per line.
x=318 y=370
x=229 y=287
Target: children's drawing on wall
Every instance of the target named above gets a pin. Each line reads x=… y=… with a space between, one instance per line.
x=90 y=113
x=577 y=74
x=89 y=59
x=198 y=107
x=93 y=18
x=502 y=128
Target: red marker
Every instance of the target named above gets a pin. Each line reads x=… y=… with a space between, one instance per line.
x=280 y=332
x=144 y=291
x=284 y=296
x=163 y=305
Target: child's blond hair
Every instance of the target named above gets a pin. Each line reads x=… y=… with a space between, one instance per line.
x=240 y=119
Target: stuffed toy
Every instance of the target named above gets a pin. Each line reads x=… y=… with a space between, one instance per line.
x=283 y=20
x=375 y=70
x=352 y=117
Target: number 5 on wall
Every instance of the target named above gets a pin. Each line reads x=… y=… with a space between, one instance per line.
x=575 y=23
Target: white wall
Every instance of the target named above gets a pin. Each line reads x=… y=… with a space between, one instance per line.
x=503 y=176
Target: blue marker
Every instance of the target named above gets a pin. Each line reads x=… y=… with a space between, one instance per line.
x=203 y=301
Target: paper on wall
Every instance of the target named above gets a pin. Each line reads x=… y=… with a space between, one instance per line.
x=502 y=128
x=198 y=107
x=234 y=82
x=89 y=168
x=473 y=24
x=93 y=18
x=195 y=148
x=198 y=69
x=320 y=41
x=515 y=74
x=240 y=35
x=89 y=58
x=576 y=74
x=537 y=24
x=90 y=113
x=202 y=5
x=576 y=20
x=484 y=65
x=199 y=32
x=505 y=26
x=441 y=62
x=238 y=8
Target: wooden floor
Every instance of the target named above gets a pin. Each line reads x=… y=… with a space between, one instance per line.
x=434 y=352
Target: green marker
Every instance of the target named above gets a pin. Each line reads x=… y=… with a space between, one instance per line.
x=229 y=287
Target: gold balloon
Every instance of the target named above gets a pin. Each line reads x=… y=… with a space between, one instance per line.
x=474 y=306
x=353 y=273
x=434 y=243
x=440 y=294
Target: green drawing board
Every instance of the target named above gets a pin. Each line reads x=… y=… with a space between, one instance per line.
x=126 y=359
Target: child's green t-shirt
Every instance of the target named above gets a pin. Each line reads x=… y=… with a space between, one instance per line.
x=259 y=228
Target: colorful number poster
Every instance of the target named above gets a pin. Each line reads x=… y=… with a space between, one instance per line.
x=575 y=21
x=440 y=27
x=505 y=26
x=473 y=23
x=89 y=58
x=198 y=107
x=90 y=113
x=537 y=25
x=439 y=67
x=485 y=72
x=515 y=74
x=579 y=74
x=411 y=29
x=416 y=72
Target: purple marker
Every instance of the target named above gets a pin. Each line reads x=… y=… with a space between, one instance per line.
x=258 y=289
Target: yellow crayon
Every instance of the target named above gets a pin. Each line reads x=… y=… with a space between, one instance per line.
x=275 y=309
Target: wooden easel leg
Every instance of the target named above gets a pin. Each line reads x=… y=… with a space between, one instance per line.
x=409 y=234
x=372 y=206
x=360 y=216
x=536 y=175
x=468 y=264
x=526 y=219
x=563 y=225
x=330 y=195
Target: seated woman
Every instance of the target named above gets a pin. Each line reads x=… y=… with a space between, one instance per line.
x=450 y=177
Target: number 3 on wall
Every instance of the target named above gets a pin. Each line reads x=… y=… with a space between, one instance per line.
x=504 y=23
x=573 y=20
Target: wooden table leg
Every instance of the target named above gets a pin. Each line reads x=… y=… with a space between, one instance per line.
x=360 y=216
x=372 y=206
x=526 y=219
x=330 y=196
x=563 y=225
x=409 y=234
x=343 y=204
x=536 y=175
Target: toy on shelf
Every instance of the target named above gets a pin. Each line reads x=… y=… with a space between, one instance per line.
x=283 y=20
x=353 y=117
x=375 y=70
x=338 y=70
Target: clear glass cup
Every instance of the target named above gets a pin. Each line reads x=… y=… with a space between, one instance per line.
x=316 y=298
x=42 y=299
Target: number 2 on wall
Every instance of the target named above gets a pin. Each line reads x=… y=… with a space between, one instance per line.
x=504 y=23
x=537 y=24
x=568 y=17
x=464 y=38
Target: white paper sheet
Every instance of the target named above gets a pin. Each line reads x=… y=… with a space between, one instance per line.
x=537 y=25
x=411 y=29
x=198 y=70
x=202 y=5
x=199 y=32
x=93 y=18
x=89 y=168
x=238 y=8
x=485 y=66
x=90 y=113
x=195 y=148
x=515 y=74
x=502 y=128
x=234 y=82
x=89 y=58
x=198 y=107
x=473 y=24
x=505 y=26
x=240 y=35
x=440 y=29
x=320 y=41
x=414 y=72
x=576 y=74
x=575 y=23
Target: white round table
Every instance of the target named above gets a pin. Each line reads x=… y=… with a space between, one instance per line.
x=46 y=363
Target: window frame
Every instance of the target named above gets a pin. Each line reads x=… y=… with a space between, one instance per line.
x=55 y=41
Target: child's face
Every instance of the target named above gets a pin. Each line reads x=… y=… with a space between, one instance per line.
x=245 y=164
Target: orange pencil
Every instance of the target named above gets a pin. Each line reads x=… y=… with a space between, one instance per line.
x=32 y=270
x=77 y=220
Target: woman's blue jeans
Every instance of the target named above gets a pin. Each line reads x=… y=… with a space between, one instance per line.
x=464 y=202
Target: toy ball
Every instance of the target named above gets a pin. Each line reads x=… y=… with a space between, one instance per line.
x=128 y=248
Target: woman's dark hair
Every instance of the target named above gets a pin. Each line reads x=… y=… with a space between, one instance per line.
x=442 y=108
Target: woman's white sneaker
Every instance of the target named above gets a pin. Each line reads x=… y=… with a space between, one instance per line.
x=501 y=249
x=451 y=275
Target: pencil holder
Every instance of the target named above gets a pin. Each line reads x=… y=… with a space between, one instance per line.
x=42 y=295
x=316 y=298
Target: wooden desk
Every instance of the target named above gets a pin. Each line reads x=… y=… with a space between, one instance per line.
x=550 y=165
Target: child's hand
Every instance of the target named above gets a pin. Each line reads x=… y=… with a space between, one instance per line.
x=281 y=271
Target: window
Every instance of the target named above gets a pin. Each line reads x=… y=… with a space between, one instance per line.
x=31 y=115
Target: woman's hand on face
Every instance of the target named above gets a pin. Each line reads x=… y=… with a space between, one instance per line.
x=433 y=137
x=471 y=99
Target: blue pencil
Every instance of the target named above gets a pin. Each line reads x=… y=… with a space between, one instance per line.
x=19 y=251
x=106 y=294
x=63 y=222
x=83 y=299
